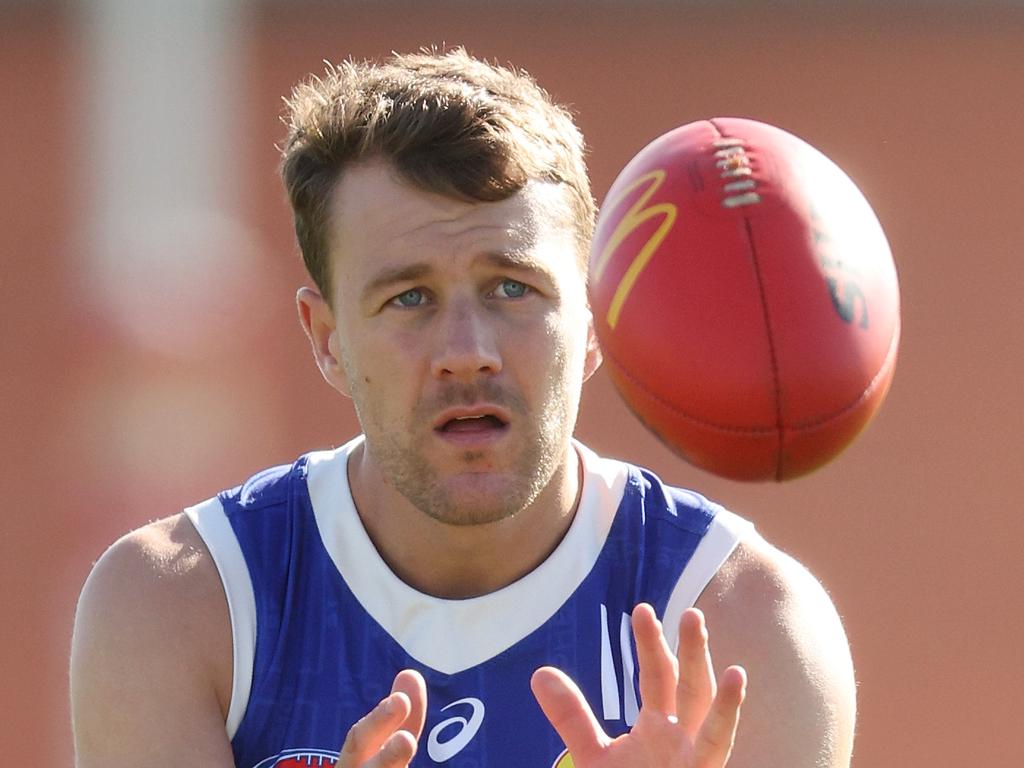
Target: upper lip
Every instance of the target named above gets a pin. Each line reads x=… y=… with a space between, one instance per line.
x=469 y=411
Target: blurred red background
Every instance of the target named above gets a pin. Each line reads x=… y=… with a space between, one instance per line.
x=116 y=412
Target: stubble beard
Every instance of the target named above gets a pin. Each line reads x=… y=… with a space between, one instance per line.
x=474 y=497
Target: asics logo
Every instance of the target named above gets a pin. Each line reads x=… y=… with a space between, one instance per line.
x=439 y=750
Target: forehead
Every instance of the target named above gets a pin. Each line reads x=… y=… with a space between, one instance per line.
x=378 y=219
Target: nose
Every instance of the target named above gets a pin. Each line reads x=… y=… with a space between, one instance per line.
x=466 y=344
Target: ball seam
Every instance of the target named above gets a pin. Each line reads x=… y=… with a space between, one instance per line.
x=773 y=355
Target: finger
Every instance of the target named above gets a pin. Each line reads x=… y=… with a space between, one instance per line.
x=696 y=688
x=396 y=752
x=411 y=683
x=657 y=665
x=716 y=737
x=368 y=735
x=569 y=713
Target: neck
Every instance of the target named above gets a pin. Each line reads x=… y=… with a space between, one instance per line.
x=462 y=561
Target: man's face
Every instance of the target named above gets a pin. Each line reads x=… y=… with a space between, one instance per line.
x=463 y=336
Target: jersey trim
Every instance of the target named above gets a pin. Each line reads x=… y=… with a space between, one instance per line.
x=215 y=529
x=454 y=635
x=722 y=538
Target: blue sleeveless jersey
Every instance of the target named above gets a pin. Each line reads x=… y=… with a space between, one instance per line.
x=321 y=625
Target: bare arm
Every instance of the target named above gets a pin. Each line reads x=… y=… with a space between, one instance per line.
x=767 y=612
x=151 y=655
x=151 y=664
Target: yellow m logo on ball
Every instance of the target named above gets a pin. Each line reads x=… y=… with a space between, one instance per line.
x=637 y=214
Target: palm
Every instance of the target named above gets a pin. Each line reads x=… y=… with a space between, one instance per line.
x=686 y=720
x=655 y=740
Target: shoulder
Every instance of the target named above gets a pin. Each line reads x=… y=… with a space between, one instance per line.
x=162 y=565
x=152 y=617
x=157 y=578
x=757 y=569
x=768 y=613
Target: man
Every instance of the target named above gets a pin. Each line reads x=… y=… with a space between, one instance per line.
x=463 y=584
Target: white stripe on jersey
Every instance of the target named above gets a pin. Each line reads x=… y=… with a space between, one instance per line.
x=725 y=533
x=215 y=529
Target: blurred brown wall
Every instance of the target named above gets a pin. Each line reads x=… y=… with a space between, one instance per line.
x=915 y=530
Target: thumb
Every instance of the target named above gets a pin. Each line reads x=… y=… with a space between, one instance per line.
x=570 y=715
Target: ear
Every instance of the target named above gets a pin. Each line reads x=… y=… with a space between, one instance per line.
x=321 y=328
x=593 y=358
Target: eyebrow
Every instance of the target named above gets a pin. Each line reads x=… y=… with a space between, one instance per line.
x=386 y=277
x=513 y=260
x=518 y=260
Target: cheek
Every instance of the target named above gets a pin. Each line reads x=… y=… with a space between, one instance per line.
x=556 y=363
x=382 y=368
x=567 y=342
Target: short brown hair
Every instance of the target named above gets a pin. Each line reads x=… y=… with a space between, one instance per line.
x=449 y=123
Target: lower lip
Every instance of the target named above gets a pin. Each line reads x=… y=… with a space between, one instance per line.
x=473 y=437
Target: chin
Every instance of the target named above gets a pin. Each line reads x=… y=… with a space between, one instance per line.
x=479 y=499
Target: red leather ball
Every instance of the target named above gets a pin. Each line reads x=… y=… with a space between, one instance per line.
x=745 y=298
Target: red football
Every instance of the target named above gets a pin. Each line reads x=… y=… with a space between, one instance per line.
x=745 y=298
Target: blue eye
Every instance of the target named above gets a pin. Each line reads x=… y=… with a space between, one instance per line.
x=512 y=289
x=411 y=298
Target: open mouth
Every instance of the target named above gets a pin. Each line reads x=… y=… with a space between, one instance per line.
x=485 y=422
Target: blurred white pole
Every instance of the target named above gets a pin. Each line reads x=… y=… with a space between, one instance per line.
x=168 y=264
x=161 y=181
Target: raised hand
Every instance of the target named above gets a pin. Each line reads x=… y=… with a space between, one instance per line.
x=686 y=721
x=386 y=736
